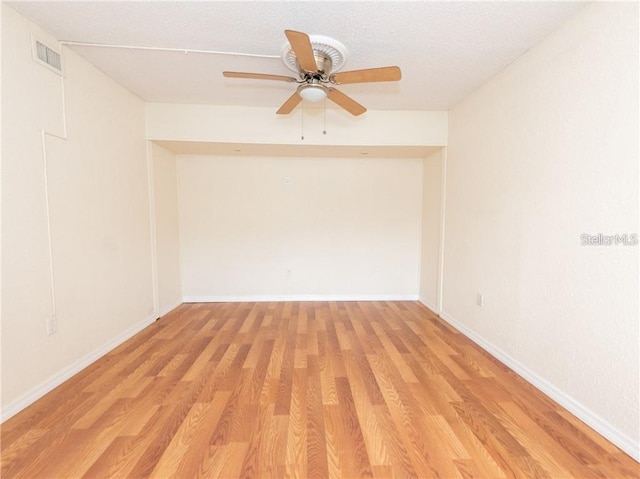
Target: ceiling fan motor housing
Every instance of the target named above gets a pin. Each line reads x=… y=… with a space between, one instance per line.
x=324 y=63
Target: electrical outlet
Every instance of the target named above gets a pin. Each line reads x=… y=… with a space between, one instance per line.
x=287 y=180
x=288 y=272
x=480 y=299
x=52 y=325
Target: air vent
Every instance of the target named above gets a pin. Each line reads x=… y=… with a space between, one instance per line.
x=47 y=56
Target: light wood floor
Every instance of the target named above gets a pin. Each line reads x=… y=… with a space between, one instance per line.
x=353 y=390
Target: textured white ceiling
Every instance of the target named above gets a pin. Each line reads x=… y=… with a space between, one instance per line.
x=445 y=49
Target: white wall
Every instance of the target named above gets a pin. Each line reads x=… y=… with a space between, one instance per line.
x=342 y=228
x=430 y=260
x=166 y=228
x=99 y=216
x=544 y=152
x=1 y=199
x=235 y=124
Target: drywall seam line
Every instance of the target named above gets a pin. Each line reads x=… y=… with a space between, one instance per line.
x=161 y=49
x=421 y=231
x=443 y=198
x=47 y=205
x=153 y=227
x=48 y=221
x=64 y=108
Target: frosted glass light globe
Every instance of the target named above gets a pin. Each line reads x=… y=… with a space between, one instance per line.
x=313 y=93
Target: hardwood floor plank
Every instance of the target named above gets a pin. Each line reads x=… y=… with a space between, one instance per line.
x=316 y=436
x=224 y=429
x=404 y=411
x=250 y=394
x=391 y=349
x=368 y=422
x=319 y=389
x=169 y=420
x=283 y=398
x=333 y=431
x=116 y=459
x=398 y=460
x=335 y=352
x=354 y=452
x=224 y=461
x=70 y=458
x=296 y=451
x=327 y=376
x=190 y=446
x=543 y=449
x=252 y=464
x=367 y=377
x=482 y=464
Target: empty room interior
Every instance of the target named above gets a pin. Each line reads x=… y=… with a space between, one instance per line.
x=320 y=239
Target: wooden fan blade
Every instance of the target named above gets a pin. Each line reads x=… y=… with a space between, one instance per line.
x=301 y=46
x=258 y=76
x=368 y=75
x=346 y=102
x=290 y=104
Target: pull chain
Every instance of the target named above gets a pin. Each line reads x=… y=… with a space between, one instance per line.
x=302 y=121
x=324 y=116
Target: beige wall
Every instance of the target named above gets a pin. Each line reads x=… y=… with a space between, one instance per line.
x=259 y=125
x=99 y=217
x=341 y=228
x=167 y=238
x=544 y=152
x=431 y=261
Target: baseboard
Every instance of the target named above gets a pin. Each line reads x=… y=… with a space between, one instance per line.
x=36 y=393
x=299 y=297
x=587 y=416
x=429 y=305
x=170 y=308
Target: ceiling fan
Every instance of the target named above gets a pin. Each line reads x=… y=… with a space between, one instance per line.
x=316 y=59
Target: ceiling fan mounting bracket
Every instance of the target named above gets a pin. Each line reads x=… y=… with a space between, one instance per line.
x=330 y=55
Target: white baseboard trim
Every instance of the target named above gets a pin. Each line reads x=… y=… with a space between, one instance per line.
x=587 y=416
x=50 y=384
x=170 y=308
x=299 y=297
x=429 y=305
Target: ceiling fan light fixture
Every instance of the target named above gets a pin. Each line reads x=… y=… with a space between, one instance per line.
x=313 y=93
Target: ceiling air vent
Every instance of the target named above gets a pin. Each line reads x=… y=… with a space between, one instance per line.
x=47 y=56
